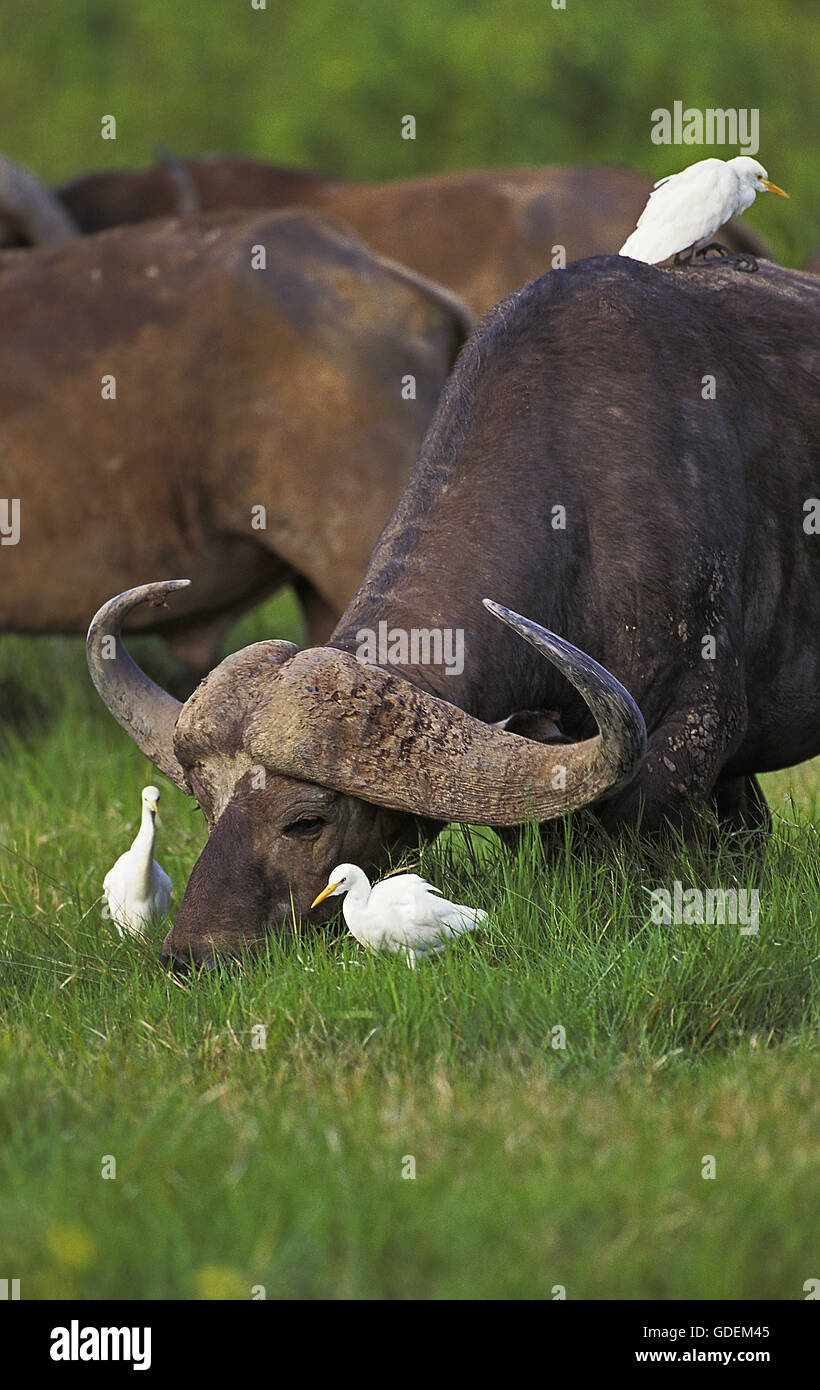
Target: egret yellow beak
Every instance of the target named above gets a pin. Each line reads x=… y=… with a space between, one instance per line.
x=325 y=893
x=154 y=807
x=773 y=188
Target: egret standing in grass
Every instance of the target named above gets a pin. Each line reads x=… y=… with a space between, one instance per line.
x=137 y=889
x=686 y=209
x=402 y=913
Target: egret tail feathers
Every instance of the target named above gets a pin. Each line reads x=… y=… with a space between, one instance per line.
x=460 y=918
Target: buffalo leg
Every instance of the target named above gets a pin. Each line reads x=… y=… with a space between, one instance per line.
x=680 y=776
x=682 y=766
x=320 y=618
x=741 y=805
x=198 y=644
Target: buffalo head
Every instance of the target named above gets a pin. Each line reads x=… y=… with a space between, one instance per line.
x=302 y=760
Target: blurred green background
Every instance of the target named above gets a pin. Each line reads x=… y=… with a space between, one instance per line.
x=490 y=83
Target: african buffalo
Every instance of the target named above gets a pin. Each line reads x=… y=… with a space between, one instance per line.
x=259 y=435
x=627 y=455
x=481 y=233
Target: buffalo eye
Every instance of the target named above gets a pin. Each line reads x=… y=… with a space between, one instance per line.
x=304 y=829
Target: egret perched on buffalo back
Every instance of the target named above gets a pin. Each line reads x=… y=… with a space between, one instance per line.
x=686 y=209
x=136 y=888
x=402 y=913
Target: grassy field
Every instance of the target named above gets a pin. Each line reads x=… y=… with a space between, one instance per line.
x=545 y=1160
x=534 y=1112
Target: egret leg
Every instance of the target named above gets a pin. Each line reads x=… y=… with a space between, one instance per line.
x=738 y=260
x=721 y=251
x=745 y=262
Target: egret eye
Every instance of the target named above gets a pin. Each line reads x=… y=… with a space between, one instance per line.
x=304 y=829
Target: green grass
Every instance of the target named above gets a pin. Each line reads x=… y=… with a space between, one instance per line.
x=537 y=1165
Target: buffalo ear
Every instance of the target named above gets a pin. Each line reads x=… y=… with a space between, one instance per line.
x=540 y=725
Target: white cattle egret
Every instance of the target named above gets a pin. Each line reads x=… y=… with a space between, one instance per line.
x=136 y=888
x=402 y=913
x=686 y=209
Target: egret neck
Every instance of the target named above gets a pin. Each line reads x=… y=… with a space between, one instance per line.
x=356 y=898
x=143 y=847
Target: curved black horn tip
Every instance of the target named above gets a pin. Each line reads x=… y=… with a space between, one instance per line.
x=505 y=614
x=541 y=637
x=514 y=620
x=603 y=694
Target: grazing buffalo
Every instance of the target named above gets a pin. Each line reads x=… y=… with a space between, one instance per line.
x=166 y=405
x=627 y=455
x=482 y=233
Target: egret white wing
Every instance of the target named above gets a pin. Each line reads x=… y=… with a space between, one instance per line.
x=114 y=876
x=441 y=918
x=684 y=209
x=401 y=893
